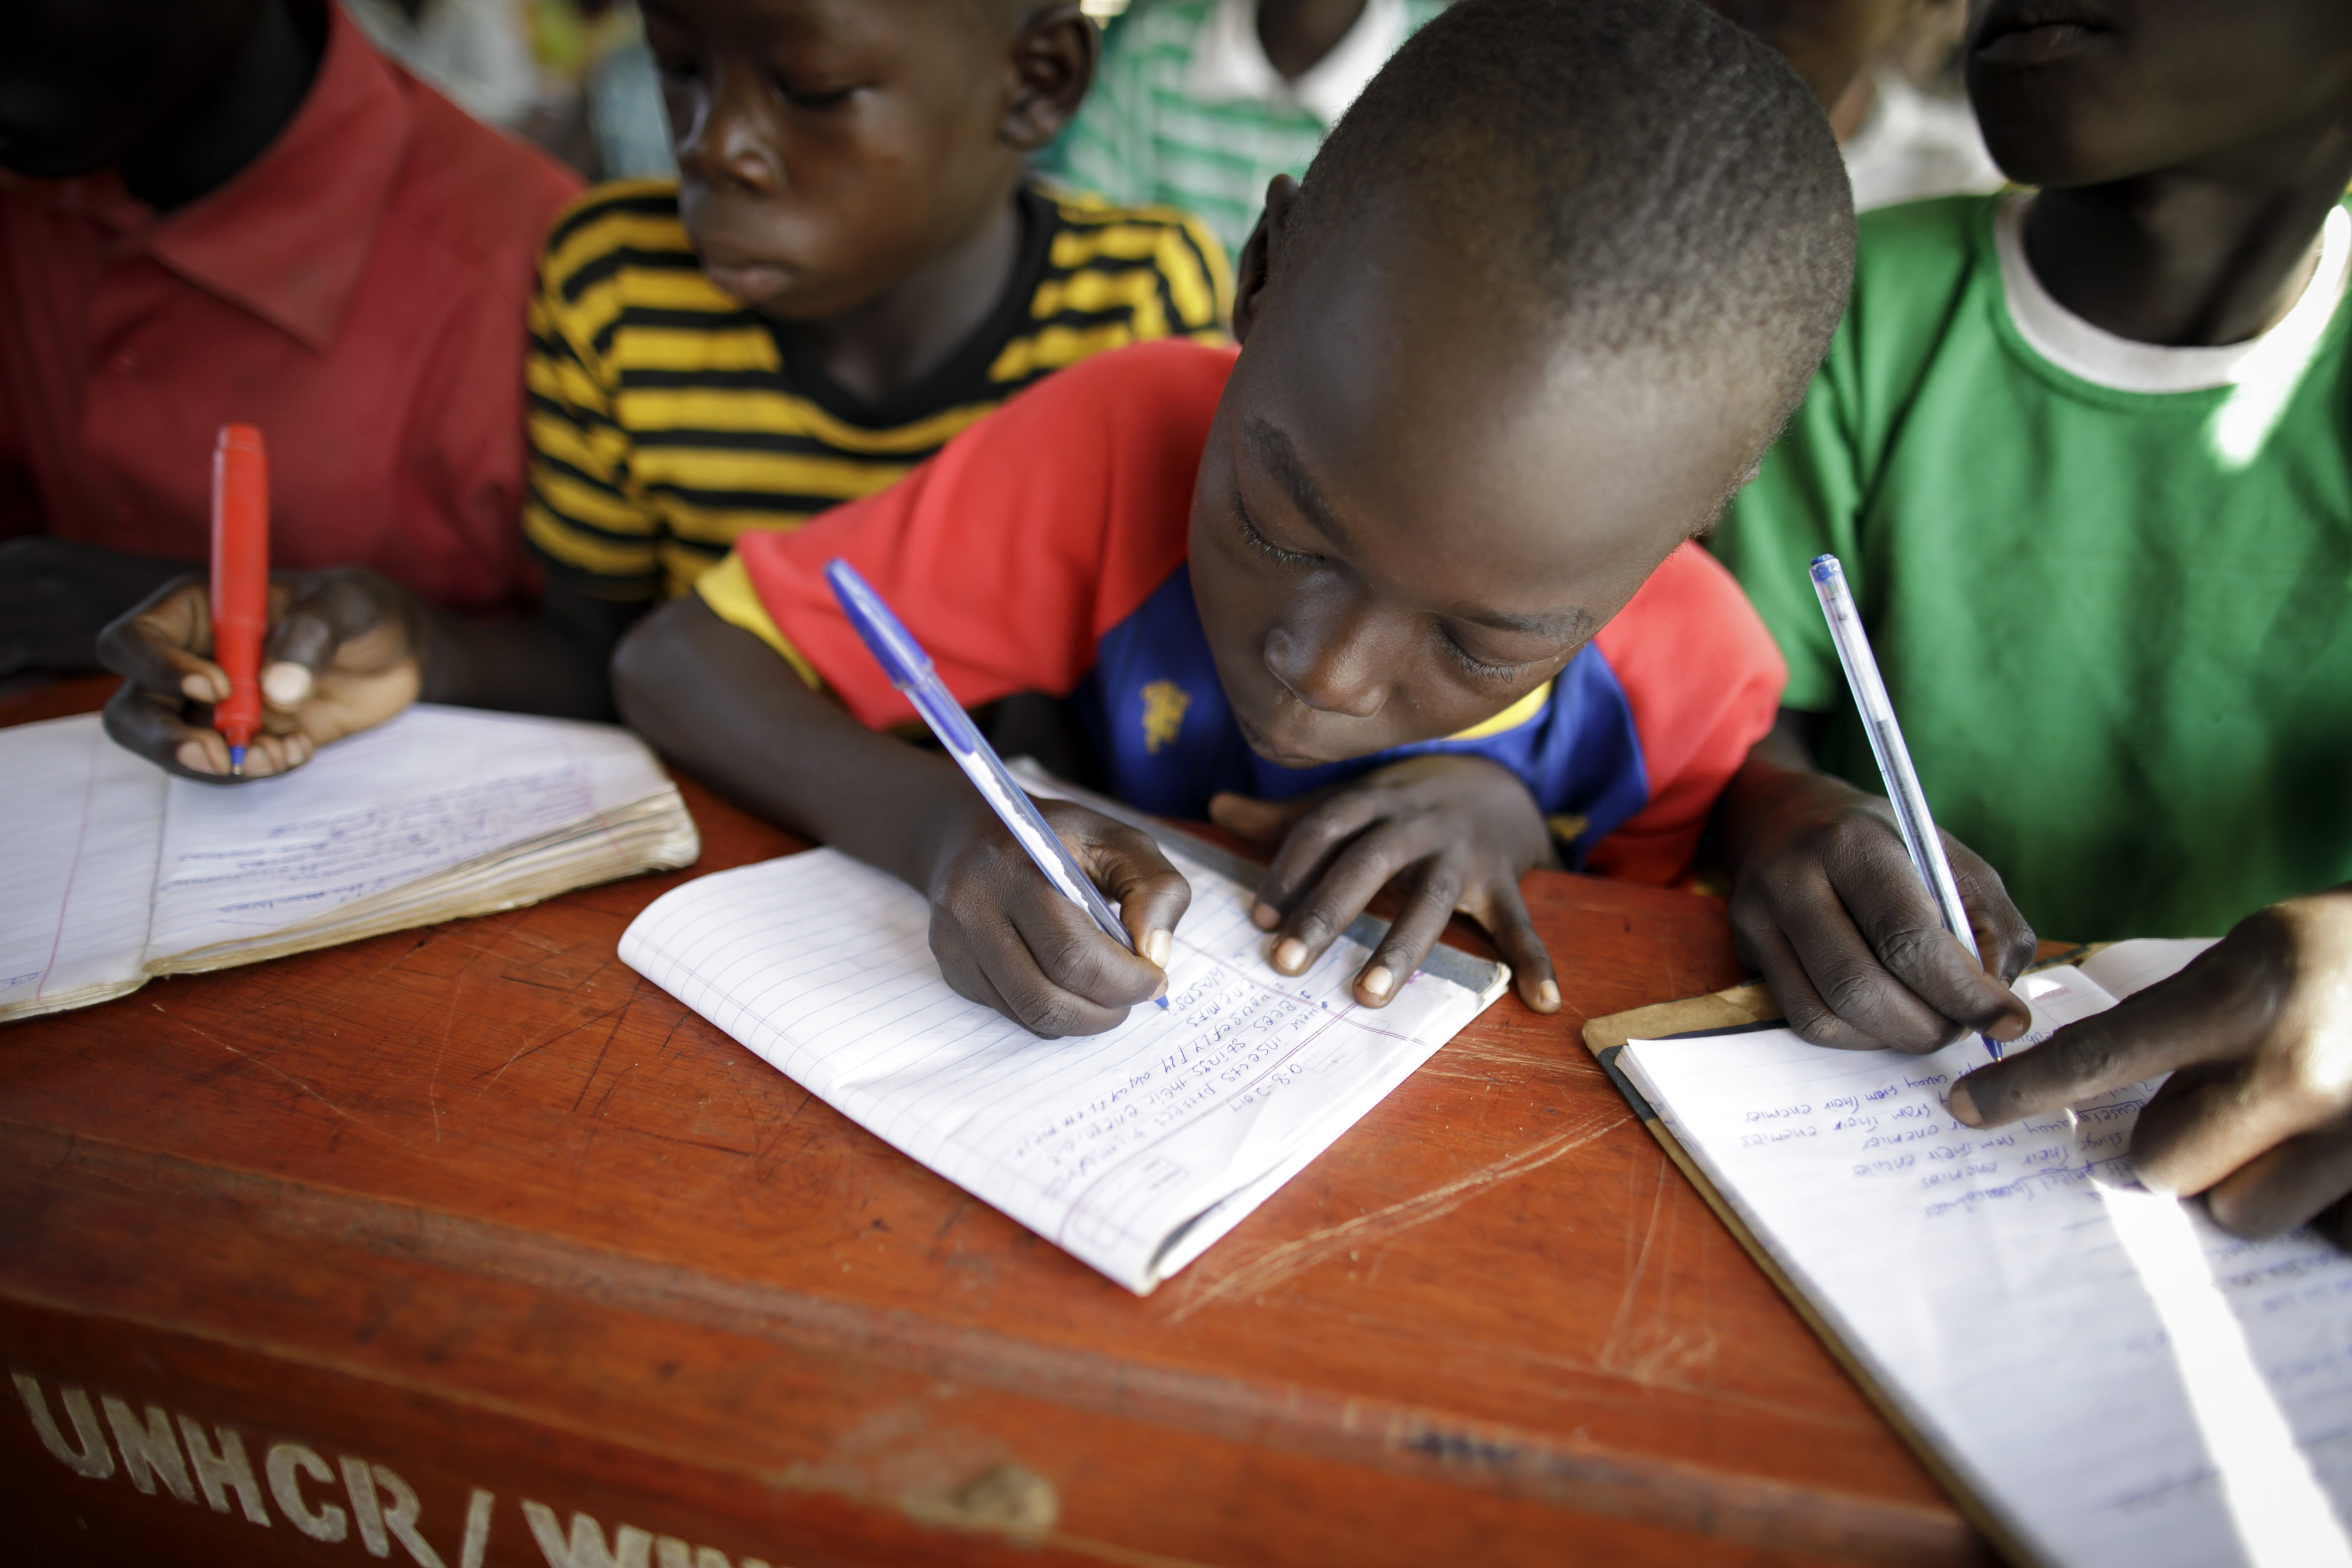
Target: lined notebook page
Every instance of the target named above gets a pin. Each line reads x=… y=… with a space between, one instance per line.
x=80 y=846
x=2120 y=1380
x=1133 y=1149
x=432 y=790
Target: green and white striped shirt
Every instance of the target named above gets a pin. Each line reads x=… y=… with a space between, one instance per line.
x=1186 y=111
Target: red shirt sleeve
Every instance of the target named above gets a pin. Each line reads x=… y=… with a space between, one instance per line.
x=1704 y=679
x=1032 y=533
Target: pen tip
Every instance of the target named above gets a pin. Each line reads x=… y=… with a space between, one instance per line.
x=236 y=762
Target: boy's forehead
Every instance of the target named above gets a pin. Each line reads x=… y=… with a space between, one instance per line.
x=1452 y=429
x=937 y=26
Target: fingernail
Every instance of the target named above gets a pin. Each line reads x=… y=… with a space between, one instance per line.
x=1376 y=981
x=1548 y=995
x=1963 y=1106
x=1264 y=916
x=1156 y=944
x=1290 y=955
x=192 y=757
x=197 y=688
x=1158 y=991
x=285 y=683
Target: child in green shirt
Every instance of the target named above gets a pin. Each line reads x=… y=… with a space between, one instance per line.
x=2083 y=452
x=1200 y=102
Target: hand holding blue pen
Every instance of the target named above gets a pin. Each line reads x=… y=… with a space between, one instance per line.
x=910 y=669
x=1903 y=789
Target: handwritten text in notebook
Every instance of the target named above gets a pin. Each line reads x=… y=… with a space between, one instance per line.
x=374 y=812
x=1124 y=1148
x=2001 y=1286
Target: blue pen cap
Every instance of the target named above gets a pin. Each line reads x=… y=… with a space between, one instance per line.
x=893 y=647
x=1826 y=568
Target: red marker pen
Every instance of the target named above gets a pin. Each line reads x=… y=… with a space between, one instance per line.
x=240 y=583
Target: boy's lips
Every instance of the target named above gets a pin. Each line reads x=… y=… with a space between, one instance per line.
x=1271 y=752
x=2034 y=36
x=746 y=280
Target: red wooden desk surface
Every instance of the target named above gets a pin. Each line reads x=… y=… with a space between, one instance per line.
x=479 y=1204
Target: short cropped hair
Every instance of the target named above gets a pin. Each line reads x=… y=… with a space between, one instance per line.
x=1645 y=172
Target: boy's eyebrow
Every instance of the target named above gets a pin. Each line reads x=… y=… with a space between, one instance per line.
x=1274 y=452
x=1569 y=625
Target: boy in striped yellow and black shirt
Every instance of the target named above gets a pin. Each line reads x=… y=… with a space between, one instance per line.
x=849 y=270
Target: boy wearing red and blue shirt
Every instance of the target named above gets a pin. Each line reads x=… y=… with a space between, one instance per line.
x=1624 y=751
x=1406 y=585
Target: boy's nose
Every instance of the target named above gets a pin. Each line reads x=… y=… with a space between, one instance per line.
x=731 y=140
x=1329 y=668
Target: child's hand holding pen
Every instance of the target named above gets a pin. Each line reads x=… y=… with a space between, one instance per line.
x=1004 y=936
x=345 y=652
x=1827 y=906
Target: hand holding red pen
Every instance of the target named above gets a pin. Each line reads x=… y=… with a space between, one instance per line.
x=343 y=653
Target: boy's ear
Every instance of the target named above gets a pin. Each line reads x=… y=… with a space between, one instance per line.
x=1054 y=55
x=1253 y=268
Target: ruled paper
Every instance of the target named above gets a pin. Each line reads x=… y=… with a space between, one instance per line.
x=2123 y=1381
x=1120 y=1147
x=433 y=790
x=83 y=822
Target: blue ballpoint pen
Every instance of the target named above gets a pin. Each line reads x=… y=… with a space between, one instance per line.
x=1903 y=790
x=910 y=669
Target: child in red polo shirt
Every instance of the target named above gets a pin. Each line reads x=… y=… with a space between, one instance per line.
x=215 y=210
x=1407 y=587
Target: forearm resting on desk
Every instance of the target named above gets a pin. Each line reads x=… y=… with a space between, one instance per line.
x=724 y=706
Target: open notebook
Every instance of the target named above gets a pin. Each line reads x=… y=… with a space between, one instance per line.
x=2101 y=1373
x=118 y=871
x=1133 y=1150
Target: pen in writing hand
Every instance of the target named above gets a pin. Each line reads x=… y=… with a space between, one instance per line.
x=240 y=606
x=1910 y=801
x=910 y=669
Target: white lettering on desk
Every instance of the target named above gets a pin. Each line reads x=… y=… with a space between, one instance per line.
x=373 y=1502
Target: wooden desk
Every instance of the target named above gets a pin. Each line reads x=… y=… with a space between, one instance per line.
x=479 y=1206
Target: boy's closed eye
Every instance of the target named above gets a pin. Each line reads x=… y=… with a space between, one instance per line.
x=1499 y=652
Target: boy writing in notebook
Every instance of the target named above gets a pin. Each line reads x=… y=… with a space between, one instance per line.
x=851 y=267
x=2117 y=615
x=1407 y=589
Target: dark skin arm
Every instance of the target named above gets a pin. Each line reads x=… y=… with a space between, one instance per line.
x=1825 y=904
x=55 y=597
x=724 y=706
x=347 y=650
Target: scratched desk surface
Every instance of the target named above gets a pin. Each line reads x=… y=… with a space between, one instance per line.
x=477 y=1204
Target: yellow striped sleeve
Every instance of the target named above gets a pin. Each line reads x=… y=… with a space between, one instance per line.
x=727 y=589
